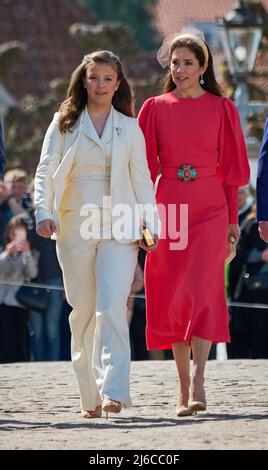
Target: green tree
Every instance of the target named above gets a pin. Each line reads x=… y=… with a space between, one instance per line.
x=105 y=35
x=137 y=14
x=24 y=126
x=10 y=53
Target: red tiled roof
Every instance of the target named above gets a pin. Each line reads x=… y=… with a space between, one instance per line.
x=51 y=52
x=172 y=15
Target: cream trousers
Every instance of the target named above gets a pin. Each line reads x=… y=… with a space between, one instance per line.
x=97 y=277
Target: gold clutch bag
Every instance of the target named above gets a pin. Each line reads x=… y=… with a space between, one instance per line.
x=148 y=237
x=231 y=249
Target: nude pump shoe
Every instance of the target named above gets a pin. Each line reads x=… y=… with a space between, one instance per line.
x=183 y=411
x=197 y=406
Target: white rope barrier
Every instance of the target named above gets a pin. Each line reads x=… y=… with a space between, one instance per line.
x=135 y=296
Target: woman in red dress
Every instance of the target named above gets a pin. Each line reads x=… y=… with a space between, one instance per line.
x=193 y=134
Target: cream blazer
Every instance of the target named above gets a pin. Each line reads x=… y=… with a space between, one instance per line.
x=130 y=180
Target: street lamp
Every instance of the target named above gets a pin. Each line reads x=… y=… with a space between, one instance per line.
x=240 y=32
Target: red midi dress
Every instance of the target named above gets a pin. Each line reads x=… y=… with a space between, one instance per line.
x=185 y=290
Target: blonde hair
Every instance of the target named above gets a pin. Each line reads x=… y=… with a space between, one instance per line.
x=12 y=176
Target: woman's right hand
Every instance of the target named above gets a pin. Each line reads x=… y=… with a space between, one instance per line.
x=151 y=248
x=46 y=228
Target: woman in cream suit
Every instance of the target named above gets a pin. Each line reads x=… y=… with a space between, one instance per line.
x=91 y=177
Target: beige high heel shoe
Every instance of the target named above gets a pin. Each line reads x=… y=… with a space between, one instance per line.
x=111 y=406
x=183 y=411
x=92 y=413
x=198 y=405
x=195 y=406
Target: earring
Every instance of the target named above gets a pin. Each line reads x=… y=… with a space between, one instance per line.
x=202 y=81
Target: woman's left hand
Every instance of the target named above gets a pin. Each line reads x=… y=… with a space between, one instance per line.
x=149 y=248
x=234 y=230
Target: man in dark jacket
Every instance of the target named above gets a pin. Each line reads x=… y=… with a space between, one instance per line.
x=262 y=187
x=245 y=202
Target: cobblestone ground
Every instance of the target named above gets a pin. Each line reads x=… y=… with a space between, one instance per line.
x=40 y=409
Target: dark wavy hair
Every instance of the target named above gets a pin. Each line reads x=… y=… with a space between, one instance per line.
x=76 y=98
x=211 y=83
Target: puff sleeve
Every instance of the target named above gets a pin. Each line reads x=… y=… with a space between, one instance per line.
x=147 y=122
x=233 y=167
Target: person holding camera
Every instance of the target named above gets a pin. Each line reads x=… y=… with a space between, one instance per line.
x=17 y=264
x=249 y=324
